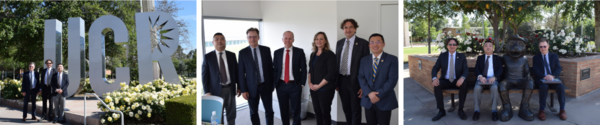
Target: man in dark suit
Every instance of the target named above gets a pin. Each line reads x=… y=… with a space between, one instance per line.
x=378 y=76
x=546 y=66
x=219 y=76
x=30 y=88
x=488 y=70
x=289 y=77
x=256 y=77
x=46 y=86
x=349 y=52
x=454 y=72
x=60 y=83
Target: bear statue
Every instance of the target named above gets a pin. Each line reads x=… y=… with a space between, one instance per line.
x=516 y=75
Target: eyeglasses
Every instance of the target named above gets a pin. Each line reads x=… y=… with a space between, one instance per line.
x=452 y=44
x=375 y=42
x=48 y=63
x=253 y=37
x=30 y=66
x=543 y=47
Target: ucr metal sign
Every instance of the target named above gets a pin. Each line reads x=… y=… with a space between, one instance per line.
x=161 y=23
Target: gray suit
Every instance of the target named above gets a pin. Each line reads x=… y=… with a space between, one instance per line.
x=59 y=81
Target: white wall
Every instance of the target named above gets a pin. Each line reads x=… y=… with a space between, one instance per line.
x=304 y=19
x=234 y=9
x=368 y=16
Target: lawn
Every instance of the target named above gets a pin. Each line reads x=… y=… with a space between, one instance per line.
x=417 y=51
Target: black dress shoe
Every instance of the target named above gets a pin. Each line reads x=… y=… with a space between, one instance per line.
x=495 y=116
x=53 y=121
x=462 y=114
x=440 y=114
x=475 y=116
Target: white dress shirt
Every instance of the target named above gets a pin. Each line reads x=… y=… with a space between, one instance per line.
x=47 y=75
x=378 y=57
x=448 y=70
x=289 y=65
x=490 y=72
x=60 y=80
x=547 y=62
x=259 y=58
x=350 y=48
x=31 y=77
x=225 y=62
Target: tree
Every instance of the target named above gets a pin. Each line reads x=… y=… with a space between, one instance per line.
x=578 y=11
x=427 y=10
x=172 y=8
x=485 y=29
x=465 y=24
x=22 y=26
x=422 y=30
x=509 y=12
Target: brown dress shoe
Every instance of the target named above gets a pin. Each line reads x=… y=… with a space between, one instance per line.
x=562 y=114
x=34 y=118
x=542 y=115
x=24 y=119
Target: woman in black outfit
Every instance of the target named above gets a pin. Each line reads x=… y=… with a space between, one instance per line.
x=321 y=76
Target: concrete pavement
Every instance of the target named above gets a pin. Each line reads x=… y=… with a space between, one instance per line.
x=11 y=116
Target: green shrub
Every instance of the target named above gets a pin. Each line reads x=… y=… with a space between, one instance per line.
x=11 y=89
x=181 y=110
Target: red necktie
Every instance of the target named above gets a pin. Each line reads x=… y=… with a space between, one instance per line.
x=286 y=78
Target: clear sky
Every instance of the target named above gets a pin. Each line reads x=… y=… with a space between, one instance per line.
x=188 y=14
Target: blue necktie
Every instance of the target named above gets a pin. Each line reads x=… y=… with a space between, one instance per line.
x=546 y=65
x=375 y=68
x=256 y=65
x=32 y=81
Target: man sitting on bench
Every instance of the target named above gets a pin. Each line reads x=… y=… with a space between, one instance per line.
x=546 y=66
x=488 y=68
x=454 y=72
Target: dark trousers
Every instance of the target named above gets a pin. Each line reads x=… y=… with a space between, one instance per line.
x=376 y=116
x=267 y=96
x=29 y=97
x=47 y=101
x=560 y=92
x=229 y=105
x=322 y=105
x=289 y=94
x=445 y=84
x=350 y=101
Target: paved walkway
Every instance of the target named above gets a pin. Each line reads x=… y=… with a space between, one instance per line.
x=11 y=116
x=420 y=107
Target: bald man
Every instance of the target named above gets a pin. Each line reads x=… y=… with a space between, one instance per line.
x=289 y=77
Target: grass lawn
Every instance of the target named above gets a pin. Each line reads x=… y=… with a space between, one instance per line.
x=417 y=51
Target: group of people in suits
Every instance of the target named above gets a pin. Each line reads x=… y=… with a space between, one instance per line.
x=52 y=84
x=353 y=72
x=489 y=69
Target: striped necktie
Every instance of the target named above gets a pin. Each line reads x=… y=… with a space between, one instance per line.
x=375 y=68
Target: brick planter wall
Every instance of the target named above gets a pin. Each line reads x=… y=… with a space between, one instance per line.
x=571 y=73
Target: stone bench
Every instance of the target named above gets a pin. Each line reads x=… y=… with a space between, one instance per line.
x=472 y=79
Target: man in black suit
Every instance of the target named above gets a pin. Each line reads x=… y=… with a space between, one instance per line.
x=60 y=83
x=255 y=70
x=219 y=76
x=30 y=88
x=454 y=72
x=349 y=52
x=488 y=70
x=46 y=86
x=546 y=66
x=289 y=77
